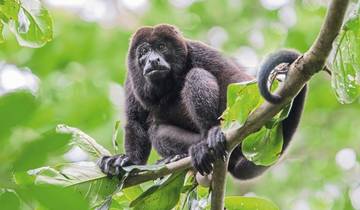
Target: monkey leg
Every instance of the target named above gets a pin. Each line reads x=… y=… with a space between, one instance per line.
x=170 y=141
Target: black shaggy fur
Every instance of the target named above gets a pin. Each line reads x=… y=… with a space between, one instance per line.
x=176 y=111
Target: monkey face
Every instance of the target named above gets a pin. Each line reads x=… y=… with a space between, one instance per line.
x=157 y=53
x=152 y=61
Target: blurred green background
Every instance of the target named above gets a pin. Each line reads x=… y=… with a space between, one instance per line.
x=77 y=79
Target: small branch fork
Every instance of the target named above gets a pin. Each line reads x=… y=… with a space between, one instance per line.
x=299 y=74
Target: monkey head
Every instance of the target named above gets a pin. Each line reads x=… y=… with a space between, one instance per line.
x=157 y=53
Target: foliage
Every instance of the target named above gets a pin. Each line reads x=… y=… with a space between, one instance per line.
x=265 y=146
x=345 y=64
x=28 y=20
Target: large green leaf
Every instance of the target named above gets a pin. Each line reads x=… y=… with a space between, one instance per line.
x=15 y=109
x=162 y=196
x=248 y=203
x=28 y=20
x=242 y=99
x=264 y=147
x=84 y=141
x=83 y=177
x=87 y=179
x=346 y=63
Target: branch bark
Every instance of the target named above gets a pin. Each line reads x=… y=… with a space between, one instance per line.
x=300 y=72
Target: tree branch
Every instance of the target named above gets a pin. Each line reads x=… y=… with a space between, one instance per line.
x=299 y=73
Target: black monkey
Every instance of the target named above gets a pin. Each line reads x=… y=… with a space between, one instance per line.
x=175 y=93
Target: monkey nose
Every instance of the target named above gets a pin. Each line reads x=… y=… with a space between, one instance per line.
x=155 y=62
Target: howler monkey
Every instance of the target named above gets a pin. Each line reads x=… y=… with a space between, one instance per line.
x=175 y=93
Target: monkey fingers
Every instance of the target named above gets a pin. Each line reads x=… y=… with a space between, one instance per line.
x=217 y=142
x=202 y=159
x=111 y=165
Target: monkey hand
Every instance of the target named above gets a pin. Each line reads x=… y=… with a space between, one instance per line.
x=202 y=158
x=217 y=143
x=111 y=165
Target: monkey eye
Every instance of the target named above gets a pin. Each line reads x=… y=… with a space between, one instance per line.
x=162 y=47
x=144 y=50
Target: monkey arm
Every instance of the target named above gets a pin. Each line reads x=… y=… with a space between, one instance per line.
x=201 y=97
x=169 y=140
x=137 y=142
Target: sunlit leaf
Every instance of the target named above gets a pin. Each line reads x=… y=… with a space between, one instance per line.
x=9 y=9
x=15 y=109
x=84 y=177
x=263 y=147
x=132 y=193
x=84 y=141
x=346 y=62
x=161 y=196
x=9 y=200
x=248 y=203
x=87 y=179
x=242 y=99
x=28 y=20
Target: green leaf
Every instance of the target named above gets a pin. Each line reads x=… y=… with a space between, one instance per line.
x=264 y=147
x=9 y=9
x=84 y=141
x=132 y=193
x=15 y=109
x=35 y=153
x=248 y=203
x=29 y=21
x=242 y=99
x=9 y=200
x=162 y=196
x=346 y=62
x=84 y=177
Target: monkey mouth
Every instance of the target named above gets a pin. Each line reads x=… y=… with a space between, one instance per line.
x=154 y=71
